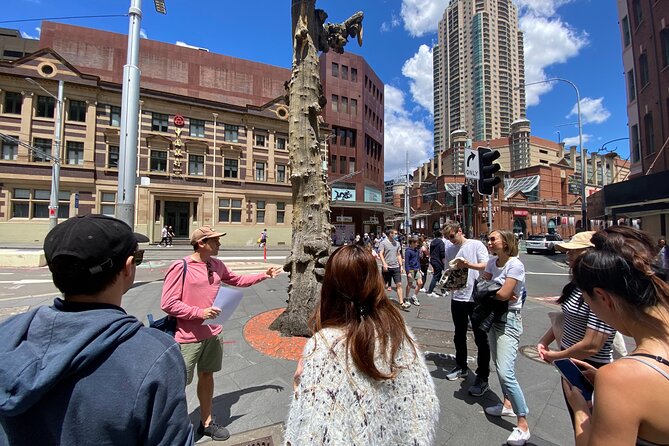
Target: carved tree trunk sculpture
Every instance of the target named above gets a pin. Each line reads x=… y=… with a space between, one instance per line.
x=311 y=204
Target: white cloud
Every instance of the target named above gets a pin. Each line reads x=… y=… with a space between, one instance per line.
x=142 y=34
x=422 y=16
x=403 y=134
x=419 y=69
x=25 y=35
x=548 y=41
x=592 y=111
x=393 y=23
x=573 y=140
x=541 y=8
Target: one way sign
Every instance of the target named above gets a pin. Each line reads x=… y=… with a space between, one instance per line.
x=472 y=164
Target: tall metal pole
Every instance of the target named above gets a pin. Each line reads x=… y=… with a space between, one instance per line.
x=407 y=204
x=490 y=213
x=55 y=163
x=125 y=197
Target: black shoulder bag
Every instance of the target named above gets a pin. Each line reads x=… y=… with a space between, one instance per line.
x=168 y=324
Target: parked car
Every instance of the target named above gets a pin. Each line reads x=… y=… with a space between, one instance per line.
x=542 y=243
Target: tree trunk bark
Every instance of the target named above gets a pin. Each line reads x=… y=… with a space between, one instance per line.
x=311 y=206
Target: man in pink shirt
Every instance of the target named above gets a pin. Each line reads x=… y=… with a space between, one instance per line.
x=188 y=296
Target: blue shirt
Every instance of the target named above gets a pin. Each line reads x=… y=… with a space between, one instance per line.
x=411 y=259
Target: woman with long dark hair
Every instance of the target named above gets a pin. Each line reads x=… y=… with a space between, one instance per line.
x=624 y=285
x=361 y=380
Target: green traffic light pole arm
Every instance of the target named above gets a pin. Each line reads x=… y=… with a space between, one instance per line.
x=584 y=220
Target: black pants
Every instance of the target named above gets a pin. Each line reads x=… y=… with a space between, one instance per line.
x=462 y=313
x=423 y=270
x=436 y=275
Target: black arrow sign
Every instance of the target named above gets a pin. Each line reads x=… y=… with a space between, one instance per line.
x=470 y=157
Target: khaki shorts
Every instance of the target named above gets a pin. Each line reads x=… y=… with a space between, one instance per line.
x=207 y=355
x=414 y=276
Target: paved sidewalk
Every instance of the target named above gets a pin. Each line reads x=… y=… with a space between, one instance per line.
x=254 y=390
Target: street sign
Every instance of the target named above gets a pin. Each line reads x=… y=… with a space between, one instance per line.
x=472 y=164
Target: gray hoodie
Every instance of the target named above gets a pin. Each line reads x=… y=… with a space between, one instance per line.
x=78 y=373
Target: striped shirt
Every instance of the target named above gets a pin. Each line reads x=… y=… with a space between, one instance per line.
x=577 y=318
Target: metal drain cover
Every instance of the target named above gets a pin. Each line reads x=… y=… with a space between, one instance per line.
x=264 y=441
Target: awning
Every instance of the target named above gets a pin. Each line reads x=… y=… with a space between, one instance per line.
x=386 y=209
x=524 y=185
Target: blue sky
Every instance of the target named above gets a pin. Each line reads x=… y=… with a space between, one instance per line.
x=574 y=39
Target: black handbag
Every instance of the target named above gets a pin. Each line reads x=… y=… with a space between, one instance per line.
x=168 y=324
x=488 y=310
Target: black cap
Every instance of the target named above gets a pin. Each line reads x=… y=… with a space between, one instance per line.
x=96 y=240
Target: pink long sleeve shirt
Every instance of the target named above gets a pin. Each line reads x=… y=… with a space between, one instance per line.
x=199 y=291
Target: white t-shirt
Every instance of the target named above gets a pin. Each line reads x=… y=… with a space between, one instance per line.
x=473 y=251
x=514 y=269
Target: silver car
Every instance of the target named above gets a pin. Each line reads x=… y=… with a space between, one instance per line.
x=542 y=243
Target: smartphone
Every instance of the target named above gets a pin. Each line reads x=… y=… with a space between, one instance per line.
x=573 y=374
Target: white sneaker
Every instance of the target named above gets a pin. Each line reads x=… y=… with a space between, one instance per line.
x=434 y=295
x=518 y=437
x=414 y=301
x=422 y=290
x=500 y=411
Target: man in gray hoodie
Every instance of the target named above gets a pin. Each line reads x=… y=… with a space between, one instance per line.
x=82 y=371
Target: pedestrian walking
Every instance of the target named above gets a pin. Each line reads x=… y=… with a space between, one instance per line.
x=82 y=371
x=164 y=233
x=625 y=287
x=262 y=240
x=170 y=235
x=188 y=295
x=424 y=259
x=361 y=368
x=663 y=253
x=584 y=335
x=471 y=255
x=390 y=252
x=437 y=261
x=506 y=269
x=412 y=268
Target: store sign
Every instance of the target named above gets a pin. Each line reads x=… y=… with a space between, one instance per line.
x=344 y=219
x=178 y=121
x=372 y=195
x=339 y=194
x=371 y=221
x=520 y=213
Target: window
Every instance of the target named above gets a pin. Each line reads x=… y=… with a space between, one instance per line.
x=280 y=212
x=354 y=107
x=351 y=165
x=230 y=168
x=664 y=37
x=333 y=164
x=108 y=203
x=75 y=153
x=650 y=133
x=29 y=203
x=631 y=87
x=229 y=210
x=196 y=165
x=13 y=103
x=260 y=211
x=344 y=72
x=112 y=156
x=280 y=173
x=335 y=69
x=159 y=122
x=158 y=161
x=260 y=171
x=342 y=165
x=636 y=152
x=76 y=111
x=335 y=103
x=643 y=70
x=45 y=105
x=197 y=128
x=636 y=10
x=115 y=116
x=625 y=23
x=344 y=104
x=44 y=145
x=354 y=75
x=342 y=137
x=352 y=137
x=260 y=140
x=281 y=143
x=10 y=151
x=231 y=133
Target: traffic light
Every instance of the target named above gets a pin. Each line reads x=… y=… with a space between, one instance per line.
x=487 y=178
x=466 y=195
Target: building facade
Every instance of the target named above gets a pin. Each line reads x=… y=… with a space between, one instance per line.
x=213 y=138
x=479 y=71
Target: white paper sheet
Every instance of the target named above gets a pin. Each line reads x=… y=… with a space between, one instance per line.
x=227 y=299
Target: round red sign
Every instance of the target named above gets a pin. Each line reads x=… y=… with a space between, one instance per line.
x=178 y=121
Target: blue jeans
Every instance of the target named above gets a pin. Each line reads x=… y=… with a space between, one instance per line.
x=504 y=339
x=436 y=275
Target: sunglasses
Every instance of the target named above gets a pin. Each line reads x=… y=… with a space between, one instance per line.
x=138 y=257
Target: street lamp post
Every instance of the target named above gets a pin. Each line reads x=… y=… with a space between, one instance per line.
x=584 y=208
x=127 y=173
x=55 y=151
